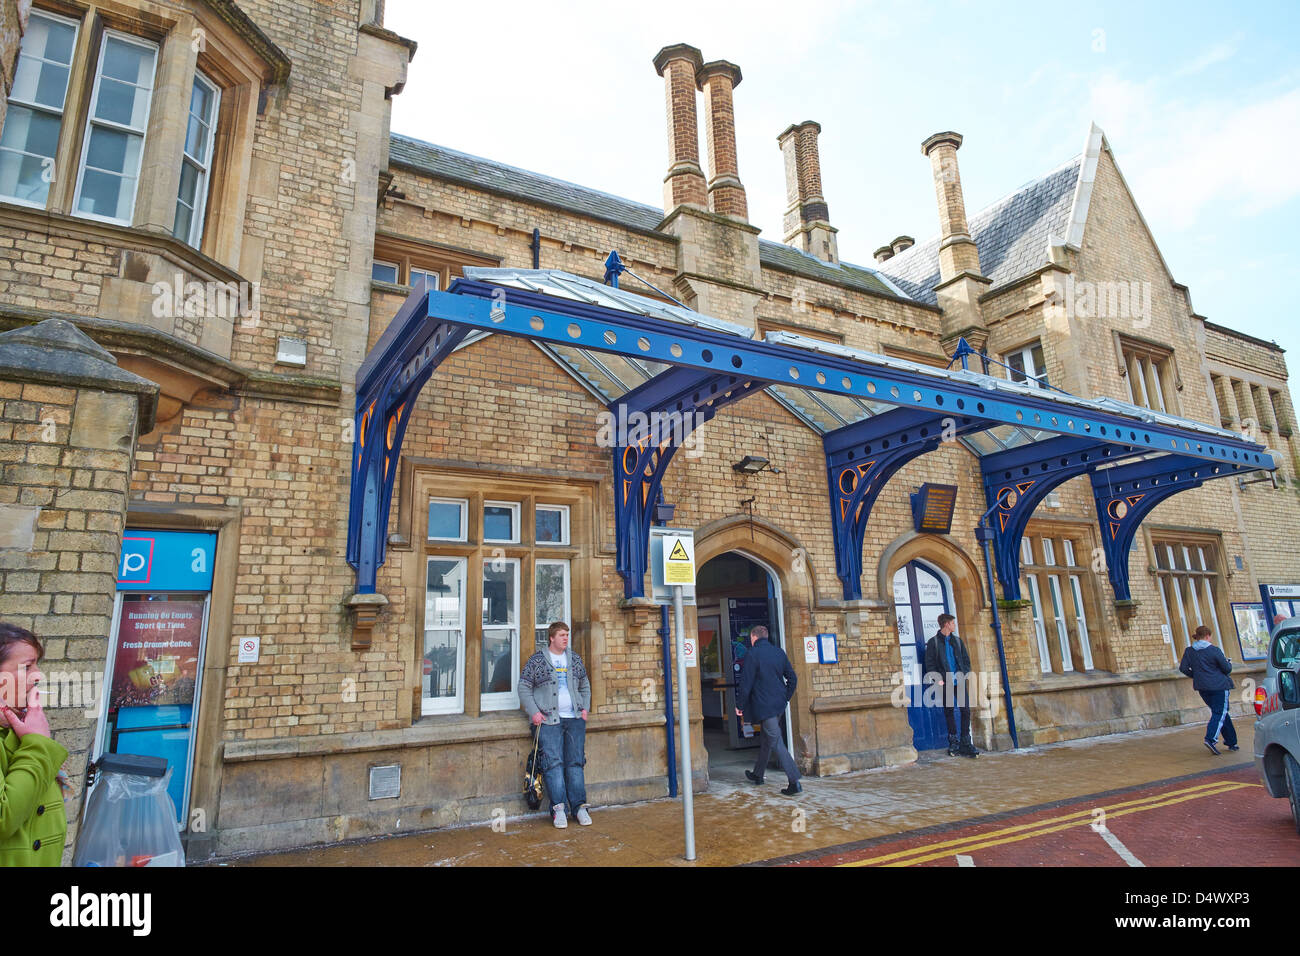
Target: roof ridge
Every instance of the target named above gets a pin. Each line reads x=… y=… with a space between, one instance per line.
x=519 y=169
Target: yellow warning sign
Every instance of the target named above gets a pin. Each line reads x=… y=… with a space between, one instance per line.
x=679 y=559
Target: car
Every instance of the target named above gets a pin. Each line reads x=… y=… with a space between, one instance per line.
x=1277 y=742
x=1283 y=652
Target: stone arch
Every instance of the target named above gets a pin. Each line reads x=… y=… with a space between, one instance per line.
x=967 y=583
x=780 y=551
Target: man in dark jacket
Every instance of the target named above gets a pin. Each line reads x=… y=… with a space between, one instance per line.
x=767 y=683
x=947 y=664
x=1208 y=668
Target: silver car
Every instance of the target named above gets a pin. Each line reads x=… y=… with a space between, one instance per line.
x=1277 y=739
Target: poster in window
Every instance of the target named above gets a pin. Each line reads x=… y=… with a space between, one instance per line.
x=1252 y=631
x=157 y=654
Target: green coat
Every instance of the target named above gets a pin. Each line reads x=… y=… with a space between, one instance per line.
x=33 y=824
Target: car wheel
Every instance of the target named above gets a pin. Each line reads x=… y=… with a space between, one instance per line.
x=1293 y=785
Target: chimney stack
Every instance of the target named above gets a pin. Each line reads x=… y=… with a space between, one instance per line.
x=807 y=220
x=726 y=193
x=884 y=253
x=960 y=282
x=957 y=251
x=902 y=243
x=684 y=184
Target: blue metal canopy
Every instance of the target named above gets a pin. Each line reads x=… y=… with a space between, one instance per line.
x=875 y=413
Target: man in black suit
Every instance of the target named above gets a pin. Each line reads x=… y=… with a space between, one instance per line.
x=947 y=663
x=767 y=683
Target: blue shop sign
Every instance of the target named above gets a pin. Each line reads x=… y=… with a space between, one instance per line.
x=166 y=561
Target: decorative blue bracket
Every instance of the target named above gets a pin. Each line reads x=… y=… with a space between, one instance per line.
x=1126 y=494
x=652 y=422
x=1017 y=480
x=431 y=324
x=388 y=384
x=860 y=460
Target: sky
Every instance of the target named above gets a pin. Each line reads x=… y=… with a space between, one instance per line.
x=1200 y=103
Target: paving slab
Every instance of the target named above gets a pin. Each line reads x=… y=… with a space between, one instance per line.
x=737 y=822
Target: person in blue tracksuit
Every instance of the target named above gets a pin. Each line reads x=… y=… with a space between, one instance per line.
x=1209 y=669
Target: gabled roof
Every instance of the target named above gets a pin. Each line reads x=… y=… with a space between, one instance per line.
x=1012 y=235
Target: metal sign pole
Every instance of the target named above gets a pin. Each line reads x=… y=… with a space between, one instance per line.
x=683 y=722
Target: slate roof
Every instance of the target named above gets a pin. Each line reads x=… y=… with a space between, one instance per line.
x=777 y=255
x=1011 y=236
x=455 y=166
x=497 y=177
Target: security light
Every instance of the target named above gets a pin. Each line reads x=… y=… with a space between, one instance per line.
x=750 y=465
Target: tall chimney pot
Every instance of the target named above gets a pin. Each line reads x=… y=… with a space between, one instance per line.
x=684 y=184
x=717 y=79
x=807 y=218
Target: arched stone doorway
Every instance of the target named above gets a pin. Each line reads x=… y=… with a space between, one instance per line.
x=920 y=576
x=780 y=571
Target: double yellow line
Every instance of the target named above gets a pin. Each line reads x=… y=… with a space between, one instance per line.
x=1027 y=831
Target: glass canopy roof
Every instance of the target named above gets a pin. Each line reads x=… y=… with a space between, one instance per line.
x=612 y=376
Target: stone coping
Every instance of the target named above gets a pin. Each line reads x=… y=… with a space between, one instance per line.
x=437 y=732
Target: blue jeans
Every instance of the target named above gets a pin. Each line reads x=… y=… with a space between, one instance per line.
x=561 y=757
x=1220 y=719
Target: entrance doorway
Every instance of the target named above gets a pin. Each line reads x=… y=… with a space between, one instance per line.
x=921 y=594
x=734 y=593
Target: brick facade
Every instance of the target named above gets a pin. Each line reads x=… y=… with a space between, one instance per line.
x=260 y=450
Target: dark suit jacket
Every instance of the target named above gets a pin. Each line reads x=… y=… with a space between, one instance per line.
x=767 y=682
x=936 y=656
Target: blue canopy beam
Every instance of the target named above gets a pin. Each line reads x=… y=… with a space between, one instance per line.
x=1016 y=482
x=431 y=324
x=1126 y=494
x=861 y=459
x=654 y=420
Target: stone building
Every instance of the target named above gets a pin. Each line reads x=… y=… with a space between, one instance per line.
x=228 y=307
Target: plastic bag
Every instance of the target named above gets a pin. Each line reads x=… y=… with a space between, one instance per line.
x=131 y=821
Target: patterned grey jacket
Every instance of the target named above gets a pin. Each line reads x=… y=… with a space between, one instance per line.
x=540 y=691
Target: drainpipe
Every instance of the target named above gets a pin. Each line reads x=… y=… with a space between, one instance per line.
x=984 y=534
x=665 y=634
x=537 y=248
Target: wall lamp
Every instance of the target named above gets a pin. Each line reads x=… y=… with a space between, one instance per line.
x=753 y=464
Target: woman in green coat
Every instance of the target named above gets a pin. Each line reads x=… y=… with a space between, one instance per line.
x=33 y=824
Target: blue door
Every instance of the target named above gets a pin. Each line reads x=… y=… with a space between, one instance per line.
x=920 y=596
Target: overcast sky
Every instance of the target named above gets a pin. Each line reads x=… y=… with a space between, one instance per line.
x=1199 y=101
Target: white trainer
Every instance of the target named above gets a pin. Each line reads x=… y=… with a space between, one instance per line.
x=583 y=816
x=558 y=818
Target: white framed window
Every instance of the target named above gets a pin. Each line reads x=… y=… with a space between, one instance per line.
x=1040 y=629
x=1026 y=551
x=445 y=597
x=1058 y=612
x=109 y=175
x=1186 y=579
x=1149 y=376
x=434 y=279
x=1027 y=365
x=30 y=138
x=1049 y=552
x=382 y=271
x=1081 y=622
x=501 y=522
x=550 y=596
x=447 y=519
x=499 y=657
x=551 y=525
x=196 y=162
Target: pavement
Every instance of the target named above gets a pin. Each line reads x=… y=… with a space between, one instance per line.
x=1034 y=806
